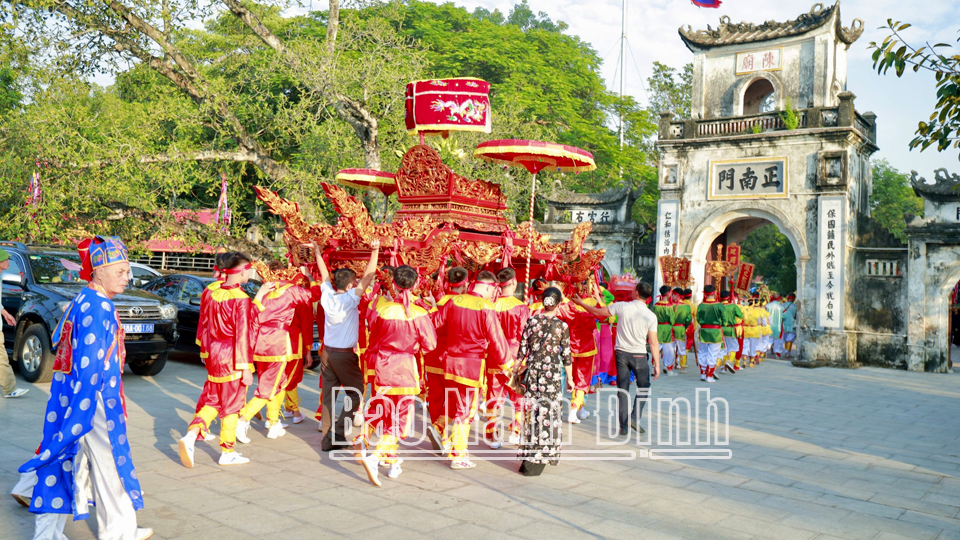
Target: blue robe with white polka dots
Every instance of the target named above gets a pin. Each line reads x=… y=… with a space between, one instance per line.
x=89 y=361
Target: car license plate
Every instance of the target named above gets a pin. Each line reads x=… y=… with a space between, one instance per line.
x=316 y=346
x=138 y=328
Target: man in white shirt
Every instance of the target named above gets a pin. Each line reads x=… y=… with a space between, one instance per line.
x=339 y=363
x=636 y=325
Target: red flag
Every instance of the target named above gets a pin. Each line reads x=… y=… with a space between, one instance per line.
x=707 y=3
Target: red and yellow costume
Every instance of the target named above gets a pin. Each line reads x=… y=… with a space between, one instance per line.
x=224 y=331
x=301 y=331
x=397 y=336
x=433 y=370
x=478 y=341
x=583 y=346
x=512 y=314
x=278 y=342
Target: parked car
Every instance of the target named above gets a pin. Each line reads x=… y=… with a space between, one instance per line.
x=141 y=274
x=184 y=291
x=39 y=285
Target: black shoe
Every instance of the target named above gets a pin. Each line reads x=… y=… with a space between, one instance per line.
x=637 y=427
x=624 y=432
x=330 y=443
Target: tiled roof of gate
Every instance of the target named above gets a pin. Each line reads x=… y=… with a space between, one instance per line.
x=733 y=34
x=609 y=196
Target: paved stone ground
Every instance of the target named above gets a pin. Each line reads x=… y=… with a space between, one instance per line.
x=825 y=453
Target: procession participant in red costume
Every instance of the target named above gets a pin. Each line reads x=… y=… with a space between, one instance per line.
x=226 y=337
x=512 y=314
x=303 y=321
x=276 y=343
x=433 y=363
x=478 y=340
x=399 y=330
x=339 y=363
x=583 y=347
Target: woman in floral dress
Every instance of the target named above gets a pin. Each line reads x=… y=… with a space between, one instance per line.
x=545 y=352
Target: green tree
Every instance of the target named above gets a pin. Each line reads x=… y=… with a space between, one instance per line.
x=772 y=253
x=670 y=90
x=892 y=199
x=943 y=59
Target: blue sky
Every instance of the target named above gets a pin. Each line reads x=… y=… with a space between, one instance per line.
x=652 y=34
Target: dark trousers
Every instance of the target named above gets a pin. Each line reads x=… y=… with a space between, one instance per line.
x=638 y=365
x=339 y=368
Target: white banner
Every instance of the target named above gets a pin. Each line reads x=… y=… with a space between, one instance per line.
x=830 y=249
x=768 y=60
x=668 y=229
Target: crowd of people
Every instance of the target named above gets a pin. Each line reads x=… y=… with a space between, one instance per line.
x=724 y=333
x=383 y=349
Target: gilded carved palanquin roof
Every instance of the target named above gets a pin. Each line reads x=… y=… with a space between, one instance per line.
x=729 y=33
x=463 y=220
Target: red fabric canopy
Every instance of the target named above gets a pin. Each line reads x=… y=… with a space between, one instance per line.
x=536 y=156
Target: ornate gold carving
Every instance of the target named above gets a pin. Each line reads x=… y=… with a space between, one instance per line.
x=478 y=189
x=582 y=268
x=290 y=274
x=720 y=268
x=430 y=259
x=422 y=172
x=481 y=253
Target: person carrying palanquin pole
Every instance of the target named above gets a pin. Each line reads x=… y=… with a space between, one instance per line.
x=399 y=330
x=666 y=315
x=477 y=340
x=766 y=332
x=512 y=314
x=682 y=318
x=710 y=317
x=302 y=327
x=277 y=342
x=339 y=363
x=85 y=455
x=225 y=332
x=434 y=377
x=732 y=331
x=583 y=348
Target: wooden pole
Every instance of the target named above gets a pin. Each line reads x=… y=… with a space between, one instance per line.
x=527 y=286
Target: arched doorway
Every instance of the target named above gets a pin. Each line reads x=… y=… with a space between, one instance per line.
x=734 y=226
x=759 y=97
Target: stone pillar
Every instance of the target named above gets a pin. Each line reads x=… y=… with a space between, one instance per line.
x=848 y=116
x=665 y=118
x=871 y=119
x=916 y=299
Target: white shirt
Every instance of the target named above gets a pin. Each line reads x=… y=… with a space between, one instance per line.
x=341 y=318
x=634 y=323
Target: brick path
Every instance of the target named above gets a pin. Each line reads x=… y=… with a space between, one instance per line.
x=826 y=453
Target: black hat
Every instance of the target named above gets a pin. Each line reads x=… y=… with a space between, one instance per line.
x=724 y=294
x=665 y=289
x=709 y=289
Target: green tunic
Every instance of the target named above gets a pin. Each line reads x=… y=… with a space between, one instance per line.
x=733 y=315
x=710 y=313
x=665 y=315
x=683 y=316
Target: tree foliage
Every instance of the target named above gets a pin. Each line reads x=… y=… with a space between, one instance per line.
x=772 y=253
x=943 y=59
x=277 y=100
x=670 y=90
x=892 y=199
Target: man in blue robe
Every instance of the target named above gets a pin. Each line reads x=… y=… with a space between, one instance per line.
x=85 y=455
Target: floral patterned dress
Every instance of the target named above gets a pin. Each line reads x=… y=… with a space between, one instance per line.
x=545 y=349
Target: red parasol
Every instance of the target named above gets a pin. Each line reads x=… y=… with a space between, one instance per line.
x=535 y=156
x=368 y=178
